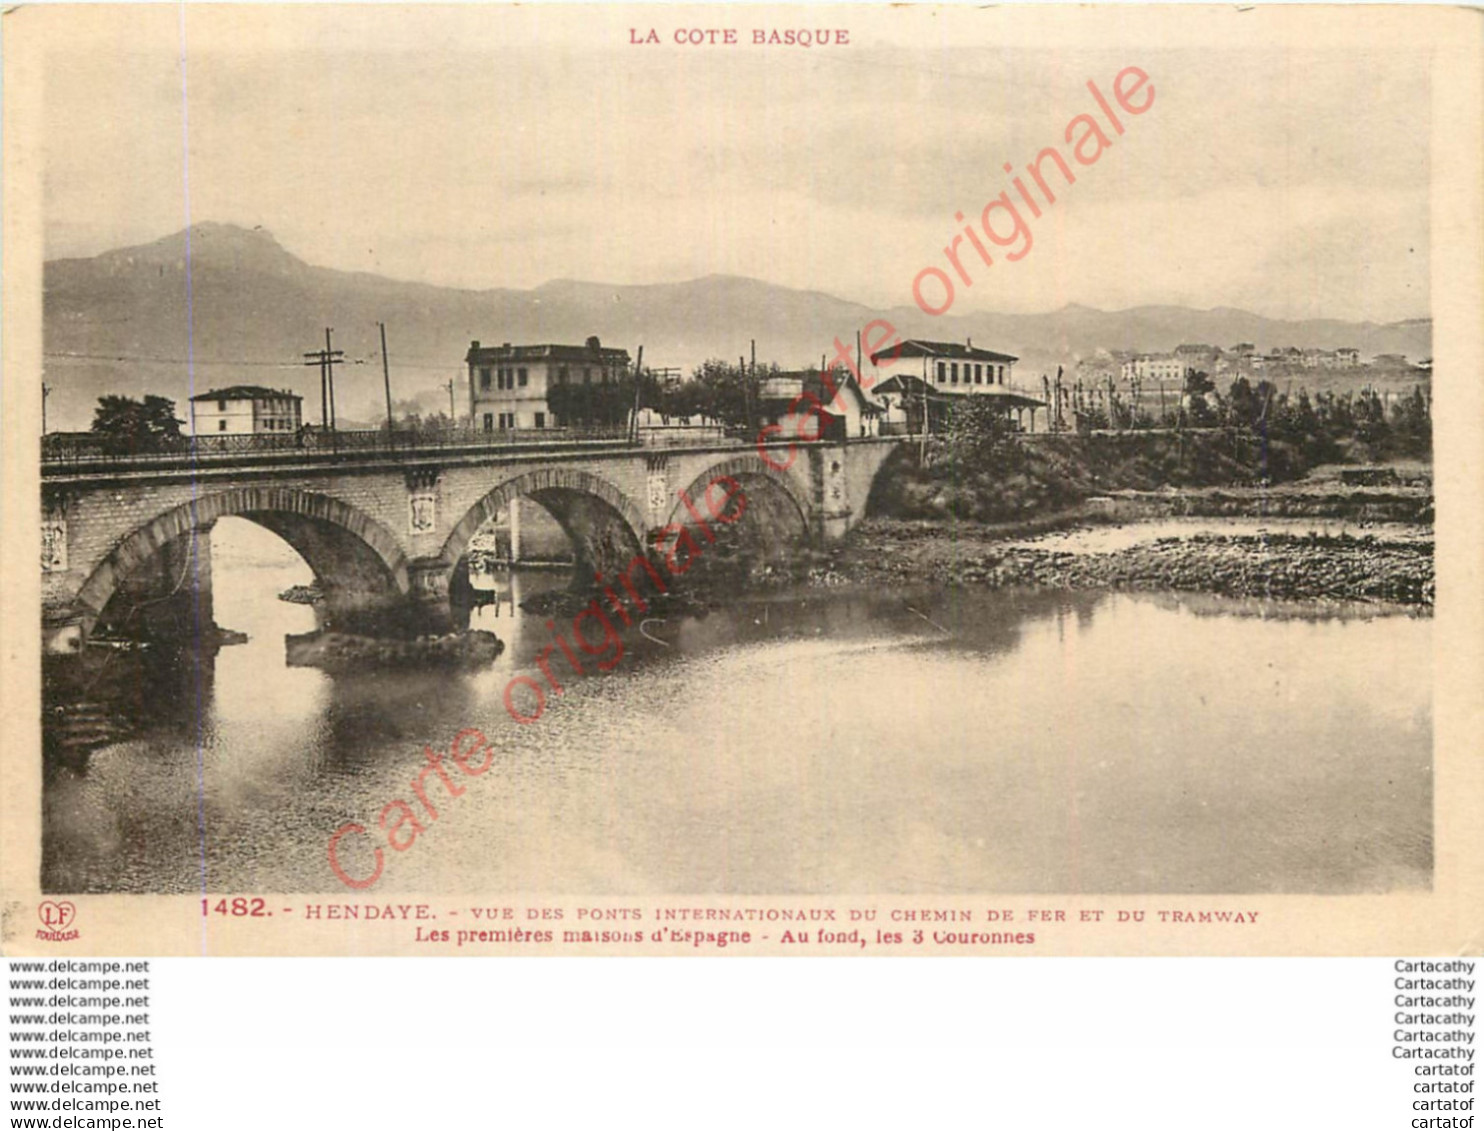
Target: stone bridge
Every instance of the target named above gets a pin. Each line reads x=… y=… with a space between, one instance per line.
x=388 y=528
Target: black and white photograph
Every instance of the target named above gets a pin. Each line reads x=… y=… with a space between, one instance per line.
x=836 y=458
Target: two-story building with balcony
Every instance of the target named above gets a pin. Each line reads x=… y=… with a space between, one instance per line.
x=949 y=367
x=509 y=384
x=918 y=373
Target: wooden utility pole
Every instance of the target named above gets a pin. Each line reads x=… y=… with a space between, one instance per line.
x=386 y=377
x=326 y=359
x=330 y=372
x=45 y=392
x=317 y=358
x=922 y=443
x=746 y=395
x=453 y=417
x=638 y=386
x=752 y=390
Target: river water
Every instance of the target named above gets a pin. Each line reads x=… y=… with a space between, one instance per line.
x=836 y=742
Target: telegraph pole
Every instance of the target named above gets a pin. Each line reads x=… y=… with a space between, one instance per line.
x=324 y=403
x=638 y=379
x=453 y=418
x=45 y=392
x=746 y=394
x=752 y=390
x=922 y=452
x=326 y=359
x=330 y=373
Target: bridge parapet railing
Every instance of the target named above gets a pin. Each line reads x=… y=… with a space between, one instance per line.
x=62 y=450
x=685 y=436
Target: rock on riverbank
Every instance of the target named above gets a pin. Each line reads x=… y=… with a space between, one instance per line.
x=302 y=595
x=1259 y=564
x=340 y=651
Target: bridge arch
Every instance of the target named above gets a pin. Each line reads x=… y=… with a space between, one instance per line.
x=357 y=558
x=605 y=526
x=778 y=509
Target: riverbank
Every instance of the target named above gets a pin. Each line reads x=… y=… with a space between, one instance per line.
x=969 y=476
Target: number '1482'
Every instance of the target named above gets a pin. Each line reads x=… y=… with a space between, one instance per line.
x=253 y=908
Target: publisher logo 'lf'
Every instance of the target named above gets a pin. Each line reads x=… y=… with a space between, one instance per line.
x=56 y=917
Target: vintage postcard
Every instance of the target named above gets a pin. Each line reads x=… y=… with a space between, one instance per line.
x=741 y=480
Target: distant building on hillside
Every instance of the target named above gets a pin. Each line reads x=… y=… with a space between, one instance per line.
x=1391 y=361
x=1197 y=355
x=1347 y=358
x=245 y=410
x=1155 y=367
x=508 y=384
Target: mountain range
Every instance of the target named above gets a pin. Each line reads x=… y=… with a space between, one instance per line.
x=125 y=321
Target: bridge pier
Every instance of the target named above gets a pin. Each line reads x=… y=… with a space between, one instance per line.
x=64 y=630
x=830 y=488
x=427 y=580
x=168 y=595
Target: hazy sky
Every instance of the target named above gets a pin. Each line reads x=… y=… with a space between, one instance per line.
x=509 y=147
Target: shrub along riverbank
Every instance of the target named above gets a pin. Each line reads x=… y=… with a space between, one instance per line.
x=984 y=477
x=952 y=515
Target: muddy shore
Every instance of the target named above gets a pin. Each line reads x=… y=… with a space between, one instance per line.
x=1393 y=564
x=1316 y=539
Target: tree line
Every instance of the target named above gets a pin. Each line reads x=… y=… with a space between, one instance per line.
x=1325 y=427
x=717 y=392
